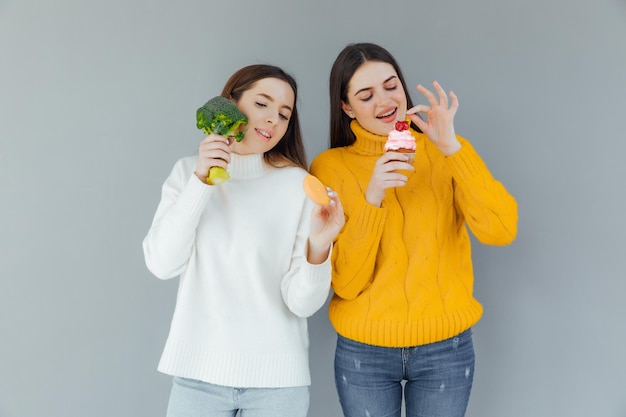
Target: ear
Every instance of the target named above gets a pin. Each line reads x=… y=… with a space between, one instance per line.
x=347 y=110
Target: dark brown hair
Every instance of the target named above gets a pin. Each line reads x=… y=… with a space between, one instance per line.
x=290 y=149
x=347 y=63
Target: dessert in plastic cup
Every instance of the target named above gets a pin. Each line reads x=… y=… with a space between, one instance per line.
x=401 y=140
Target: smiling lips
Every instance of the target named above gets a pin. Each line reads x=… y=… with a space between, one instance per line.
x=264 y=134
x=388 y=115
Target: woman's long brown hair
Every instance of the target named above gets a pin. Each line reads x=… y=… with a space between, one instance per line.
x=346 y=64
x=290 y=149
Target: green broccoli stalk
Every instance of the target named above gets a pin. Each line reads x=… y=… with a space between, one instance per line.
x=222 y=117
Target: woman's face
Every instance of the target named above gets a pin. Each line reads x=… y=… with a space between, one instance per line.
x=268 y=105
x=376 y=97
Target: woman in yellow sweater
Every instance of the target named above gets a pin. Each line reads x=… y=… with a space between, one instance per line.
x=403 y=303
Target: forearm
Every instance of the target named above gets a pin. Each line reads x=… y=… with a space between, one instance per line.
x=305 y=287
x=488 y=208
x=317 y=252
x=355 y=251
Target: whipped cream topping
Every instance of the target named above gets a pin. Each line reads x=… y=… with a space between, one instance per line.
x=400 y=140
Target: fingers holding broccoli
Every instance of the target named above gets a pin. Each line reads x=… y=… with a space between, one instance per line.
x=222 y=117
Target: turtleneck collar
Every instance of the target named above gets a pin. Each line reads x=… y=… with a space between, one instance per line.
x=247 y=166
x=368 y=143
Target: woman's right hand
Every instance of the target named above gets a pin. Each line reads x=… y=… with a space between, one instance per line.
x=385 y=176
x=214 y=151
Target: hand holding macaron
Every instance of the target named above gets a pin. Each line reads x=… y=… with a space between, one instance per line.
x=327 y=218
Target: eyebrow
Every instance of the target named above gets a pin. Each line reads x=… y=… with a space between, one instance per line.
x=369 y=88
x=270 y=98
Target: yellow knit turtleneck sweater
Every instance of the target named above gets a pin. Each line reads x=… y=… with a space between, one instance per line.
x=402 y=272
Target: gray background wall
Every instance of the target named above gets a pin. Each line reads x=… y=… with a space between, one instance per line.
x=97 y=101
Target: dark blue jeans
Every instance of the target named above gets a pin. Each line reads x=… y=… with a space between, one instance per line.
x=437 y=378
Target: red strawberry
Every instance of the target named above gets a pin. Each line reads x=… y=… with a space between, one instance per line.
x=400 y=126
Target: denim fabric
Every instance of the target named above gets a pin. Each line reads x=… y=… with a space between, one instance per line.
x=435 y=379
x=191 y=398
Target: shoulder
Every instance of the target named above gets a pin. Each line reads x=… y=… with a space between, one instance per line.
x=332 y=167
x=332 y=153
x=289 y=176
x=287 y=188
x=187 y=162
x=327 y=157
x=284 y=177
x=183 y=168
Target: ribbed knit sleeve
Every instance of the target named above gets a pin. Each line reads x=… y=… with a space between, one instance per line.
x=355 y=256
x=489 y=210
x=305 y=287
x=355 y=249
x=169 y=242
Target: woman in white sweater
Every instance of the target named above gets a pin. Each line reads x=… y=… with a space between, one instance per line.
x=252 y=255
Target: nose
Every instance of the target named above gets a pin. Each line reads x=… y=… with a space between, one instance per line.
x=272 y=118
x=384 y=99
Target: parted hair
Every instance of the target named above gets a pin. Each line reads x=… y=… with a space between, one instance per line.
x=290 y=149
x=346 y=64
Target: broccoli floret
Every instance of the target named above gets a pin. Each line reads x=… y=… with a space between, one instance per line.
x=221 y=116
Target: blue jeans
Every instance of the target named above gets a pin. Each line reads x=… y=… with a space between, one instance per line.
x=192 y=398
x=436 y=378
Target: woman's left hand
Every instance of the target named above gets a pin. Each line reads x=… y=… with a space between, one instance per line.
x=439 y=126
x=326 y=222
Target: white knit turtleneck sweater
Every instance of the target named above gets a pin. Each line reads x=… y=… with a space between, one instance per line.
x=245 y=286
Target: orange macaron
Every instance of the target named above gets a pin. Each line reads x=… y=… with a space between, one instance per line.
x=315 y=190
